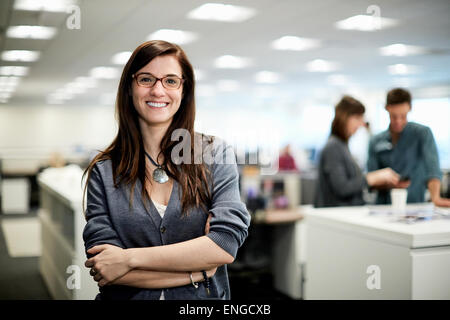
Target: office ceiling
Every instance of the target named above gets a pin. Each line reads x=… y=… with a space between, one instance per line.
x=108 y=27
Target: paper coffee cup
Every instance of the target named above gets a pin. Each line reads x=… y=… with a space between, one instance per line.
x=398 y=200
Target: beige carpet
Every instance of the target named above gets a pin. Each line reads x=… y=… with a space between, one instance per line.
x=23 y=237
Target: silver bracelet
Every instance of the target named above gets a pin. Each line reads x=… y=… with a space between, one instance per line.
x=195 y=284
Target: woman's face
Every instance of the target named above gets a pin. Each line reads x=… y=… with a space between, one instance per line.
x=354 y=122
x=157 y=105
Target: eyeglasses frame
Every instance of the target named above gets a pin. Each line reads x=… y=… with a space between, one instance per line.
x=134 y=76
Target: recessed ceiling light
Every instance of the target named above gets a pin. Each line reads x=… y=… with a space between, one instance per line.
x=295 y=43
x=176 y=36
x=121 y=57
x=104 y=73
x=8 y=84
x=231 y=62
x=221 y=12
x=31 y=32
x=9 y=80
x=44 y=5
x=5 y=95
x=401 y=50
x=320 y=65
x=399 y=69
x=267 y=77
x=14 y=71
x=9 y=89
x=20 y=55
x=365 y=23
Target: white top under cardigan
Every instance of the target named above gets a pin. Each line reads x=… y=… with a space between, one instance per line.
x=161 y=210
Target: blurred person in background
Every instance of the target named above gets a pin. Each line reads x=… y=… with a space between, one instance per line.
x=410 y=149
x=286 y=161
x=340 y=180
x=156 y=229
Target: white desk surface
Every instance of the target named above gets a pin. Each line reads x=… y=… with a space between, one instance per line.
x=378 y=222
x=65 y=183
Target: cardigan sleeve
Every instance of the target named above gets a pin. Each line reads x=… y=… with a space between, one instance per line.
x=98 y=229
x=334 y=168
x=230 y=219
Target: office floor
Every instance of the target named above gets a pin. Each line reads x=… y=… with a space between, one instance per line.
x=254 y=285
x=20 y=278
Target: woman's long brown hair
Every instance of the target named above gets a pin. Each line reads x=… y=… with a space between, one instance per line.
x=345 y=108
x=126 y=152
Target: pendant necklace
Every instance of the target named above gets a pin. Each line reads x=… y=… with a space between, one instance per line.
x=159 y=175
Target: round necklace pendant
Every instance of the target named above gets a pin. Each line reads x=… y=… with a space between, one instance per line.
x=160 y=176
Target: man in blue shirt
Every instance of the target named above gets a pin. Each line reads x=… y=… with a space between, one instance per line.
x=410 y=150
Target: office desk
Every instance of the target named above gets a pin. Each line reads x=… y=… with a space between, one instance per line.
x=287 y=249
x=280 y=216
x=62 y=221
x=349 y=250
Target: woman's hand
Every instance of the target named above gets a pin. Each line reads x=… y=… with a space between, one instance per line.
x=110 y=262
x=385 y=178
x=211 y=272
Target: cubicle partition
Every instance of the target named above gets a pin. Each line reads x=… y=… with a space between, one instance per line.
x=62 y=221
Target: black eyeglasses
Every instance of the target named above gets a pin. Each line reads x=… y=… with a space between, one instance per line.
x=148 y=80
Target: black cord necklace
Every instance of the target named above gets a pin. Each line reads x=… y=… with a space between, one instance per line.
x=159 y=175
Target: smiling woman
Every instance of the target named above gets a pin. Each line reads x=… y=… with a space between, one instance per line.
x=156 y=229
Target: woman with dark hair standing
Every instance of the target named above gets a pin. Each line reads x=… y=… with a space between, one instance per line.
x=158 y=227
x=340 y=180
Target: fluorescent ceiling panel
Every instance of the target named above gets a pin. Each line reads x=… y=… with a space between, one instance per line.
x=295 y=43
x=121 y=58
x=31 y=32
x=179 y=37
x=231 y=62
x=44 y=5
x=20 y=55
x=14 y=71
x=320 y=65
x=401 y=50
x=268 y=77
x=365 y=23
x=401 y=69
x=221 y=12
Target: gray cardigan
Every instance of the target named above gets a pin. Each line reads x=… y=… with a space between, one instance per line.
x=109 y=220
x=340 y=181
